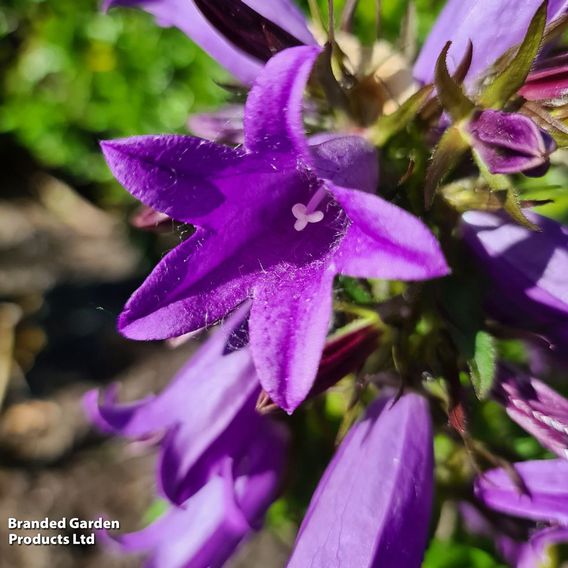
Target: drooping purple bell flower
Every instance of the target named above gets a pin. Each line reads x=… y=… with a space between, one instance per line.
x=277 y=220
x=510 y=143
x=240 y=34
x=492 y=26
x=534 y=406
x=205 y=530
x=372 y=505
x=527 y=271
x=206 y=414
x=549 y=80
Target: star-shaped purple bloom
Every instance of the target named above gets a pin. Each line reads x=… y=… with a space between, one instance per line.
x=276 y=221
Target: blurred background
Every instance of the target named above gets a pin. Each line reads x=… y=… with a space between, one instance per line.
x=70 y=76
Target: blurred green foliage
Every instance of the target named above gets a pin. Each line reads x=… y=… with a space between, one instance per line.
x=72 y=75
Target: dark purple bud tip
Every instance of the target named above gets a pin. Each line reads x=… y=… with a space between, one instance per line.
x=510 y=143
x=246 y=29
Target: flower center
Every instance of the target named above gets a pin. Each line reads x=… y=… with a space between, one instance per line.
x=306 y=214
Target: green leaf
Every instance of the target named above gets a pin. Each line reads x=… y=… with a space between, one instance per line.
x=447 y=154
x=557 y=129
x=389 y=125
x=450 y=93
x=483 y=365
x=511 y=79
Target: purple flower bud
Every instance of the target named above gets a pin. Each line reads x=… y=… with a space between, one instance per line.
x=510 y=143
x=527 y=272
x=535 y=407
x=205 y=530
x=545 y=480
x=549 y=81
x=372 y=505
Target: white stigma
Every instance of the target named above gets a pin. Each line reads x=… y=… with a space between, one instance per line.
x=303 y=218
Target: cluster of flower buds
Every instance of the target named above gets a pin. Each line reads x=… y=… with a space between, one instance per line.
x=318 y=269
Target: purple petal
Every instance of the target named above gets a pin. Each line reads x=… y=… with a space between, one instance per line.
x=289 y=321
x=493 y=27
x=548 y=81
x=201 y=420
x=372 y=505
x=207 y=528
x=537 y=408
x=534 y=553
x=348 y=161
x=528 y=268
x=385 y=241
x=184 y=14
x=546 y=482
x=187 y=178
x=273 y=112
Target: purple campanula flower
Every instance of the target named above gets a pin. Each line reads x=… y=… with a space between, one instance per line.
x=510 y=142
x=206 y=414
x=493 y=27
x=372 y=505
x=527 y=271
x=205 y=530
x=277 y=220
x=240 y=34
x=537 y=408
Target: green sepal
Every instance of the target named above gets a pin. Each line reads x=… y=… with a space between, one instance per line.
x=450 y=93
x=467 y=194
x=513 y=76
x=390 y=124
x=448 y=153
x=501 y=183
x=483 y=365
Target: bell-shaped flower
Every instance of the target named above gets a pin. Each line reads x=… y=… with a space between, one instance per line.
x=277 y=220
x=205 y=530
x=240 y=34
x=534 y=406
x=492 y=26
x=206 y=414
x=527 y=272
x=510 y=142
x=372 y=505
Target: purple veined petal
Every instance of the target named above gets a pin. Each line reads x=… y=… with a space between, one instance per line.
x=372 y=505
x=347 y=161
x=187 y=178
x=529 y=267
x=545 y=481
x=385 y=241
x=509 y=142
x=535 y=407
x=224 y=126
x=289 y=321
x=273 y=111
x=184 y=15
x=492 y=27
x=535 y=552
